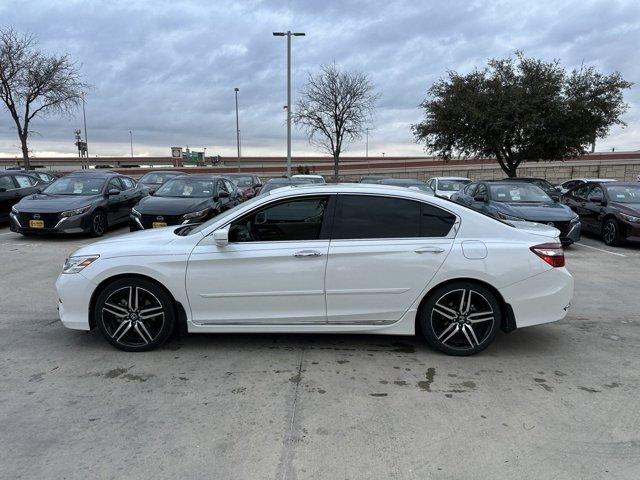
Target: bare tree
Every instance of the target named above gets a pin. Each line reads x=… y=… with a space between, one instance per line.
x=333 y=109
x=33 y=84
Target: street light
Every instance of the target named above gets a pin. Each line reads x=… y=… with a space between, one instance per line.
x=237 y=127
x=131 y=139
x=84 y=118
x=288 y=34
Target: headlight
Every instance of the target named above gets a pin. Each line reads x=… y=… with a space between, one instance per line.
x=630 y=218
x=15 y=210
x=504 y=216
x=135 y=212
x=198 y=214
x=575 y=219
x=77 y=211
x=76 y=264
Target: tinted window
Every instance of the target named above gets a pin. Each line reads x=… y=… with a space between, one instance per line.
x=76 y=186
x=596 y=192
x=299 y=219
x=364 y=216
x=7 y=183
x=128 y=183
x=581 y=192
x=114 y=184
x=435 y=222
x=24 y=181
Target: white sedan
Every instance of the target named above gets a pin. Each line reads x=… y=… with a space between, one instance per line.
x=352 y=258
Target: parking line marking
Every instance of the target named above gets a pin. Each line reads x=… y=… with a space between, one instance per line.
x=601 y=250
x=6 y=233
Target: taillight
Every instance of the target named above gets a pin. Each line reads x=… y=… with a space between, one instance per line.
x=552 y=253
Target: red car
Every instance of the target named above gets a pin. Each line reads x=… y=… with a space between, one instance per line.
x=249 y=184
x=609 y=209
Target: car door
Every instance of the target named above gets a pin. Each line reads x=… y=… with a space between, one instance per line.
x=117 y=203
x=383 y=253
x=593 y=209
x=131 y=193
x=576 y=199
x=8 y=195
x=481 y=192
x=272 y=270
x=235 y=197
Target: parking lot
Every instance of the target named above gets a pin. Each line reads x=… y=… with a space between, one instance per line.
x=555 y=401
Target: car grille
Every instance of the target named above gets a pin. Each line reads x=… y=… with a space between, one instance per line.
x=147 y=220
x=564 y=227
x=50 y=219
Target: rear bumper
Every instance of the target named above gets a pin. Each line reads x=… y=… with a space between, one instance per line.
x=75 y=224
x=543 y=298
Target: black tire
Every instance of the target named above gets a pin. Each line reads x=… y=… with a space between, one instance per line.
x=460 y=327
x=98 y=224
x=611 y=232
x=134 y=314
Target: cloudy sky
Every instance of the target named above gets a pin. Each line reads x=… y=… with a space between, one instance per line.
x=167 y=69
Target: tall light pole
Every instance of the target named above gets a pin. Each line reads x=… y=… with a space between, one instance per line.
x=237 y=127
x=131 y=139
x=288 y=34
x=84 y=118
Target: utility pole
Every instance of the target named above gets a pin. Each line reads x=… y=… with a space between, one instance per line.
x=131 y=139
x=237 y=127
x=288 y=34
x=367 y=143
x=84 y=118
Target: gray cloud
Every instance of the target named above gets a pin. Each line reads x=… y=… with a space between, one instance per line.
x=167 y=69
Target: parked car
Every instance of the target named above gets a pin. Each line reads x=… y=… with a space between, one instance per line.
x=183 y=200
x=446 y=186
x=153 y=180
x=87 y=202
x=278 y=263
x=609 y=209
x=520 y=201
x=411 y=183
x=371 y=178
x=274 y=183
x=248 y=184
x=549 y=189
x=574 y=182
x=13 y=187
x=309 y=178
x=45 y=177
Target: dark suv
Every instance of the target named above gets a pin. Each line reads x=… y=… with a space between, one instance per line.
x=609 y=209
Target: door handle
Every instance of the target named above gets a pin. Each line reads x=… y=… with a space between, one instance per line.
x=307 y=253
x=429 y=250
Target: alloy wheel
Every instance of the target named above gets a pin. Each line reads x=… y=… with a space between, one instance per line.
x=133 y=316
x=609 y=232
x=97 y=224
x=462 y=319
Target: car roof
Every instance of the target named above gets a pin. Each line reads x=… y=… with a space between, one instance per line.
x=94 y=173
x=172 y=172
x=616 y=183
x=400 y=181
x=451 y=178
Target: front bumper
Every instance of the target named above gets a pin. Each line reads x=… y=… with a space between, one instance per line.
x=145 y=222
x=74 y=224
x=631 y=231
x=74 y=294
x=543 y=298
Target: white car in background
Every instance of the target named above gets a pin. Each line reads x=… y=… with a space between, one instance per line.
x=309 y=178
x=574 y=182
x=446 y=186
x=334 y=258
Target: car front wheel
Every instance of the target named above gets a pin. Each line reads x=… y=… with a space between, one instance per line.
x=134 y=314
x=461 y=318
x=611 y=232
x=98 y=224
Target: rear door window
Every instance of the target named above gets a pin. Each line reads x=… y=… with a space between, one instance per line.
x=24 y=181
x=6 y=182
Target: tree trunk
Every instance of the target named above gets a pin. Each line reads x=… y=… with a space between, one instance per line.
x=25 y=152
x=336 y=170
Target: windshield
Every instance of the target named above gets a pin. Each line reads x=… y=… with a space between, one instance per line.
x=242 y=181
x=452 y=185
x=76 y=186
x=156 y=177
x=223 y=215
x=624 y=193
x=525 y=193
x=186 y=188
x=546 y=186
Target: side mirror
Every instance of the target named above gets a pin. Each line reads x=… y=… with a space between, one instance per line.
x=221 y=237
x=113 y=191
x=480 y=198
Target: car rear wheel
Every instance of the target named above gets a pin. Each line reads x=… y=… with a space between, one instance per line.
x=461 y=318
x=611 y=232
x=98 y=224
x=134 y=314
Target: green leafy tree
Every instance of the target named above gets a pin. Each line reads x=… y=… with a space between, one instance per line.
x=520 y=109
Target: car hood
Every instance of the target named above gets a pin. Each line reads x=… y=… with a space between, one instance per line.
x=45 y=203
x=171 y=205
x=536 y=211
x=628 y=208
